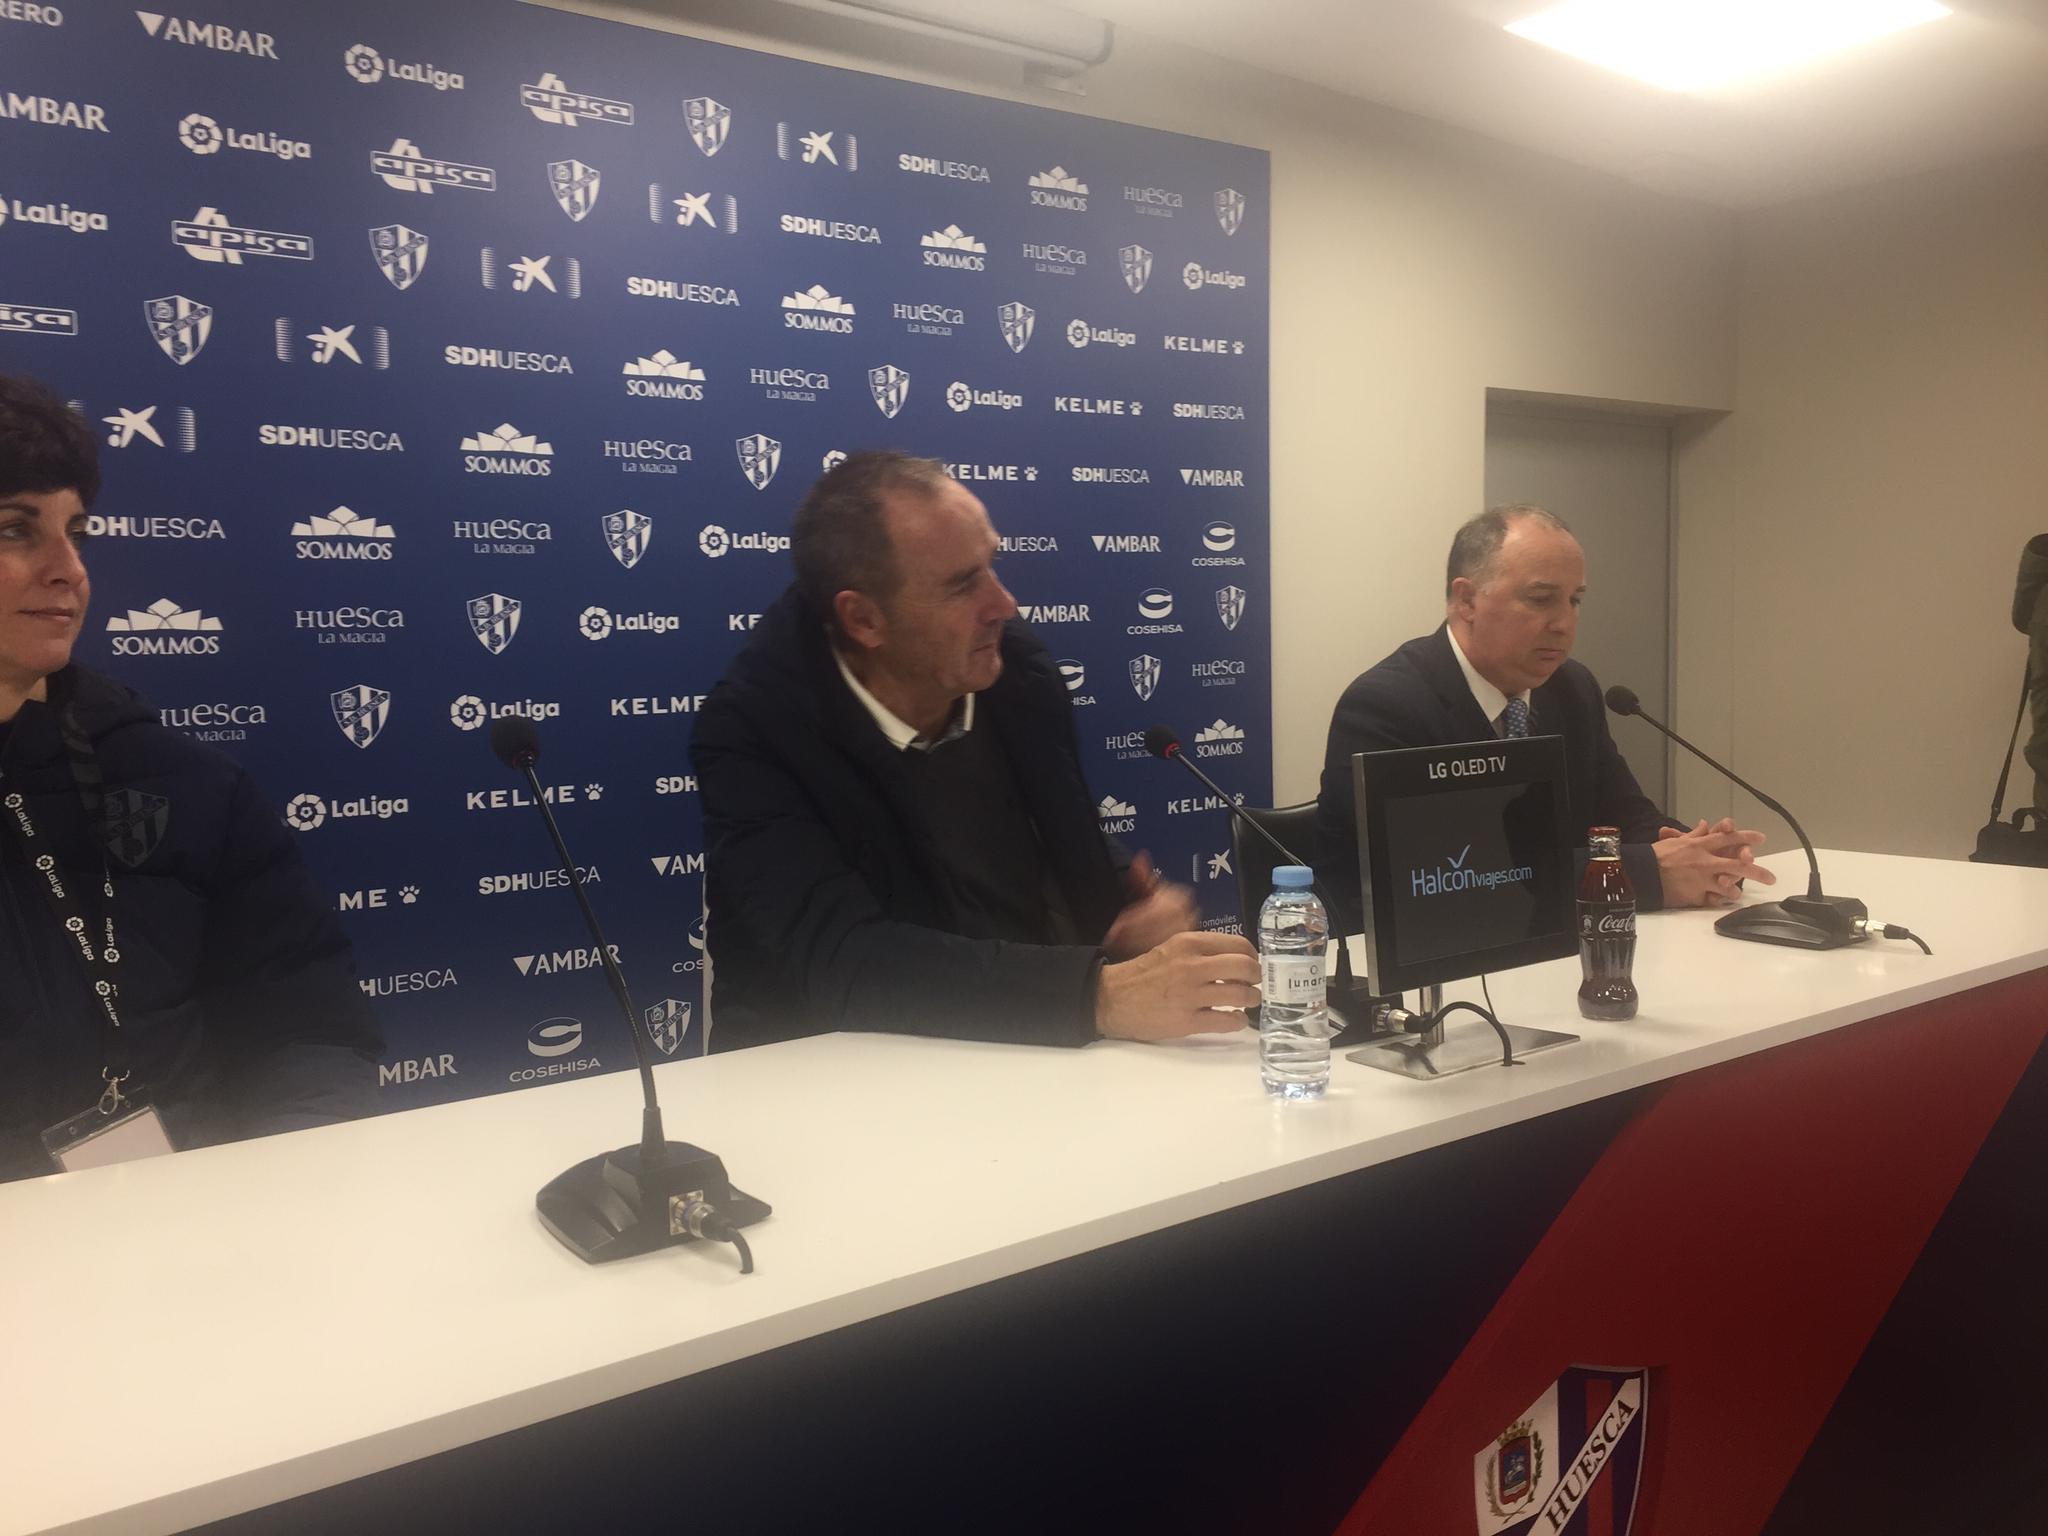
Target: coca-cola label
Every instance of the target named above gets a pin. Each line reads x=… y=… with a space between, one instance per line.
x=1607 y=923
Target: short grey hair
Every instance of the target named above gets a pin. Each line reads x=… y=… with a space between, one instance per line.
x=1475 y=547
x=839 y=539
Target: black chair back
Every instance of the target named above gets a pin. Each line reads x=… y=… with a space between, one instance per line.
x=1254 y=860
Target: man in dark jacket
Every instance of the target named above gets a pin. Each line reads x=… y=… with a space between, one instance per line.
x=899 y=834
x=237 y=1010
x=2030 y=618
x=1500 y=666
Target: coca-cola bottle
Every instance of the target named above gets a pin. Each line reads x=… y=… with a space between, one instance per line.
x=1607 y=931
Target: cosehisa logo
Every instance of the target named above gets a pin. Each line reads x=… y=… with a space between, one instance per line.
x=559 y=1042
x=1220 y=540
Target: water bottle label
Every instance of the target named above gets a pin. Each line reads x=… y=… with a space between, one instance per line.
x=1293 y=981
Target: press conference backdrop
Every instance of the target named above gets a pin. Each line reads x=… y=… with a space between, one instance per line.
x=470 y=359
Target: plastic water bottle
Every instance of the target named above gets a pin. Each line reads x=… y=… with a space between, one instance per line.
x=1294 y=1019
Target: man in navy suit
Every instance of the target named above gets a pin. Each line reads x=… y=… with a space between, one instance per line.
x=1501 y=666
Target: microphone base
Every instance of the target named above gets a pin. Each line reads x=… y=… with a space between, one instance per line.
x=1447 y=1051
x=1798 y=922
x=609 y=1207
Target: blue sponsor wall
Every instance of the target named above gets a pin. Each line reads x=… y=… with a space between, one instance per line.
x=469 y=358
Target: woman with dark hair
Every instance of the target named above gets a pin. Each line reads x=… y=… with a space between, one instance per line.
x=169 y=975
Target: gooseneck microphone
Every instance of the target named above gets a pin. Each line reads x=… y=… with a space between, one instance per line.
x=1812 y=921
x=1164 y=741
x=659 y=1192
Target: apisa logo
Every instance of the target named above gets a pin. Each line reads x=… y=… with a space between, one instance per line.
x=37 y=320
x=713 y=212
x=549 y=100
x=366 y=66
x=531 y=274
x=664 y=376
x=830 y=146
x=204 y=135
x=953 y=248
x=372 y=349
x=817 y=308
x=1058 y=188
x=208 y=236
x=405 y=169
x=78 y=221
x=164 y=628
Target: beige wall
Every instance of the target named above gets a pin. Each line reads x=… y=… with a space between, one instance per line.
x=1413 y=267
x=1849 y=536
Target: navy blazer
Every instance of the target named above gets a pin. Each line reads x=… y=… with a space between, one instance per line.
x=1418 y=697
x=829 y=904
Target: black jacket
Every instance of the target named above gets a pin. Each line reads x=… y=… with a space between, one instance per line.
x=237 y=986
x=829 y=908
x=1418 y=697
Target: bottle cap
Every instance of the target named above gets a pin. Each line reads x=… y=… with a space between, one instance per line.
x=1293 y=877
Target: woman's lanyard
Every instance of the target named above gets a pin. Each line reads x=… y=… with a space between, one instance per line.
x=102 y=961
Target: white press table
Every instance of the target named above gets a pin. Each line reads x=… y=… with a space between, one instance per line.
x=292 y=1313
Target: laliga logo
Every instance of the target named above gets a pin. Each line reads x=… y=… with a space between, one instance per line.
x=365 y=63
x=714 y=541
x=595 y=623
x=306 y=812
x=600 y=624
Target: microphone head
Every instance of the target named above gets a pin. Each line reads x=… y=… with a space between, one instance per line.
x=1162 y=741
x=516 y=740
x=1623 y=701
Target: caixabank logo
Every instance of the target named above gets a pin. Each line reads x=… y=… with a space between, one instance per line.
x=132 y=425
x=714 y=213
x=530 y=274
x=817 y=146
x=332 y=343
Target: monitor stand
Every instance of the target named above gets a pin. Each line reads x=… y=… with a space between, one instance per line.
x=1442 y=1052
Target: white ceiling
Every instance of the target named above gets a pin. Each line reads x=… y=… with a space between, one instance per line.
x=1955 y=90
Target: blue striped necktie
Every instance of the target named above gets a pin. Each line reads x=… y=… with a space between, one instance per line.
x=1514 y=719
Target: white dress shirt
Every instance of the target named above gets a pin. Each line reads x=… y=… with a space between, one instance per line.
x=1491 y=700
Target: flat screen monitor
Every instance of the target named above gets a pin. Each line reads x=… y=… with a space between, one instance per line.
x=1464 y=858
